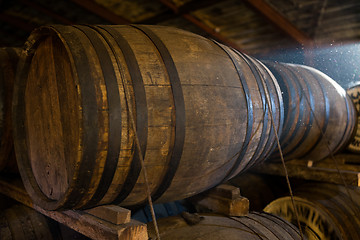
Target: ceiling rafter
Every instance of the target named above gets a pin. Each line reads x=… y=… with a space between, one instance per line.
x=162 y=17
x=200 y=24
x=183 y=9
x=281 y=22
x=46 y=11
x=101 y=11
x=195 y=5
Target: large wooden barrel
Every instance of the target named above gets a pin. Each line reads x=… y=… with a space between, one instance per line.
x=354 y=94
x=8 y=62
x=319 y=116
x=210 y=227
x=326 y=211
x=199 y=108
x=19 y=222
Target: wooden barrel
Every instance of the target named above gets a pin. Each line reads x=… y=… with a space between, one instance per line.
x=199 y=109
x=319 y=116
x=354 y=94
x=22 y=223
x=8 y=62
x=253 y=226
x=326 y=211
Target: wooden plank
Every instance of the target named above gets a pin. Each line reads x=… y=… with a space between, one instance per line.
x=223 y=199
x=320 y=171
x=280 y=21
x=101 y=11
x=195 y=5
x=200 y=24
x=83 y=222
x=111 y=213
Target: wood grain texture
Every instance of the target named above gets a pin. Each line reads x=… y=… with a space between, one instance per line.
x=354 y=94
x=253 y=226
x=199 y=108
x=21 y=223
x=82 y=222
x=319 y=116
x=326 y=211
x=8 y=62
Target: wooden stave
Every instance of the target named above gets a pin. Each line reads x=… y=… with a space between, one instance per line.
x=31 y=184
x=329 y=201
x=253 y=226
x=8 y=62
x=340 y=205
x=353 y=93
x=254 y=152
x=326 y=115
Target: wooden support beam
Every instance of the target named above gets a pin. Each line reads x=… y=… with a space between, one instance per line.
x=193 y=6
x=200 y=24
x=324 y=171
x=91 y=223
x=280 y=21
x=101 y=11
x=46 y=11
x=16 y=22
x=223 y=199
x=162 y=17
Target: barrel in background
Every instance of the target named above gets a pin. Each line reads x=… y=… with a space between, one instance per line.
x=8 y=62
x=354 y=94
x=320 y=118
x=326 y=211
x=200 y=109
x=253 y=226
x=21 y=223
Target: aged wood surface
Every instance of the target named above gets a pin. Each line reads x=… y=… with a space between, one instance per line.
x=201 y=113
x=8 y=62
x=253 y=226
x=111 y=213
x=327 y=211
x=223 y=199
x=324 y=170
x=354 y=94
x=21 y=223
x=81 y=221
x=320 y=118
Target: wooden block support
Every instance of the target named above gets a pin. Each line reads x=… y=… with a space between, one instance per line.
x=104 y=222
x=327 y=170
x=223 y=199
x=111 y=213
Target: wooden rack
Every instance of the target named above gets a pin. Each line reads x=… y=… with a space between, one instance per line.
x=104 y=222
x=326 y=170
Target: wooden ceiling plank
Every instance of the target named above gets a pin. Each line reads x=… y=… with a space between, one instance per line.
x=101 y=11
x=162 y=17
x=184 y=9
x=46 y=11
x=195 y=5
x=200 y=25
x=210 y=31
x=280 y=21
